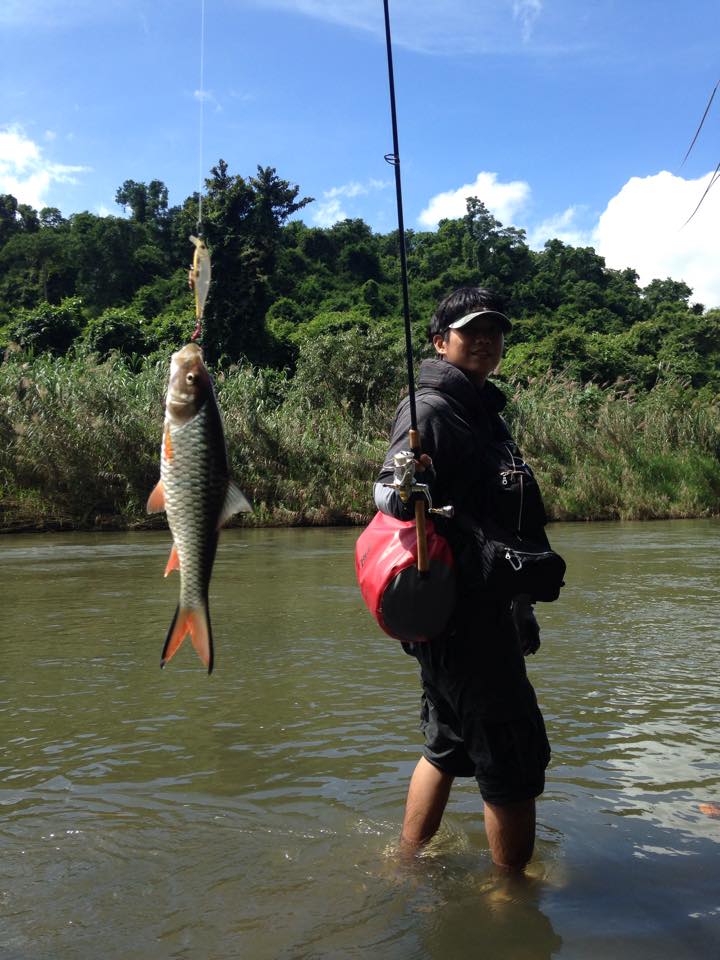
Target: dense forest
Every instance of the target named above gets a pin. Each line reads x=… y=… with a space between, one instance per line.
x=305 y=323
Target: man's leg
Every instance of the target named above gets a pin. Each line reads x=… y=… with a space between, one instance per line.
x=510 y=829
x=427 y=796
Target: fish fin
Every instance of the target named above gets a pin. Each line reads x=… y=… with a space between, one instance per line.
x=156 y=500
x=201 y=636
x=235 y=502
x=167 y=444
x=197 y=624
x=173 y=561
x=176 y=634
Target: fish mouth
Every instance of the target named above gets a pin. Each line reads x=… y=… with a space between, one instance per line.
x=179 y=399
x=176 y=396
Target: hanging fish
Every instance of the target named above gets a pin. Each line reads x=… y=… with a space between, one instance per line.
x=200 y=276
x=196 y=492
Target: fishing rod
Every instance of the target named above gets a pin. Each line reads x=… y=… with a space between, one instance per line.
x=414 y=437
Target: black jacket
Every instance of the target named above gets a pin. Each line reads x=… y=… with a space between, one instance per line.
x=456 y=421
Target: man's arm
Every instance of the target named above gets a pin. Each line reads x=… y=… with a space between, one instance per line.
x=390 y=502
x=387 y=500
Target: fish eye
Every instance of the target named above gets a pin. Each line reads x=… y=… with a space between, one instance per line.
x=190 y=378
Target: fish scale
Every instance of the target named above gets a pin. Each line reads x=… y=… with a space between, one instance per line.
x=194 y=492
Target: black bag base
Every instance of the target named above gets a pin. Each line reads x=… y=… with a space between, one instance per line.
x=416 y=607
x=507 y=565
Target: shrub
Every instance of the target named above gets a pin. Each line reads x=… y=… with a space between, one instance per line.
x=48 y=327
x=119 y=328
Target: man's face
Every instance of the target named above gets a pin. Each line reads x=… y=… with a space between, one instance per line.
x=475 y=348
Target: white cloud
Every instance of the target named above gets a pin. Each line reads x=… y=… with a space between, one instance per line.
x=242 y=96
x=562 y=226
x=207 y=96
x=330 y=209
x=26 y=173
x=355 y=189
x=453 y=27
x=328 y=212
x=503 y=200
x=644 y=227
x=526 y=13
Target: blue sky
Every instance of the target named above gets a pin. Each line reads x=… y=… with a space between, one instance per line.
x=568 y=118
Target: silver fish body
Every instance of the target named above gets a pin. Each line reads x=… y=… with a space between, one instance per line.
x=197 y=494
x=193 y=469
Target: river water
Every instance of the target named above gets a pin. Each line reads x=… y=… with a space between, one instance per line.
x=254 y=813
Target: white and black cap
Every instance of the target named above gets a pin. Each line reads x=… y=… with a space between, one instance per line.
x=500 y=318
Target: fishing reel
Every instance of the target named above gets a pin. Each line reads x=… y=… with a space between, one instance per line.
x=405 y=484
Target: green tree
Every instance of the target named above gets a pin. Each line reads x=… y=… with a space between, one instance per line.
x=51 y=217
x=36 y=266
x=243 y=220
x=9 y=223
x=148 y=202
x=105 y=250
x=659 y=292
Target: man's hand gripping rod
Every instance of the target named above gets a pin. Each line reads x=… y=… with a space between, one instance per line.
x=405 y=484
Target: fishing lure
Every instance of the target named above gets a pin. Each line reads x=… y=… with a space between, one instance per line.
x=199 y=279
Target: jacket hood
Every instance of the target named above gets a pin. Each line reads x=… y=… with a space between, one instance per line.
x=447 y=378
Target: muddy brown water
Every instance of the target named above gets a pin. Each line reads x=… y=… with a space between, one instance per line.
x=253 y=814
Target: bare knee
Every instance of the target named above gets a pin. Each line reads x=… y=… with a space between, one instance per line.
x=511 y=833
x=427 y=796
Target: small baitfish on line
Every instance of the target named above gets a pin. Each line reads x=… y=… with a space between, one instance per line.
x=200 y=275
x=197 y=494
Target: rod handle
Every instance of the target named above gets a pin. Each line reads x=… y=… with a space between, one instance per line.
x=422 y=560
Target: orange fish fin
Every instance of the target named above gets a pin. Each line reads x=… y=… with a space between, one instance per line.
x=235 y=502
x=179 y=629
x=201 y=636
x=167 y=444
x=197 y=624
x=173 y=561
x=709 y=809
x=156 y=500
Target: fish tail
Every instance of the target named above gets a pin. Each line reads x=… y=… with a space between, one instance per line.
x=197 y=624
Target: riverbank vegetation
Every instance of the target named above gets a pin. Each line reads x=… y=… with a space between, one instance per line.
x=79 y=440
x=613 y=387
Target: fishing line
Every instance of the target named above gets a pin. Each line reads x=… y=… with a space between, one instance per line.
x=704 y=116
x=202 y=114
x=716 y=174
x=200 y=272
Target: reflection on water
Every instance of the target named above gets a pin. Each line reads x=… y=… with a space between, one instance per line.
x=254 y=813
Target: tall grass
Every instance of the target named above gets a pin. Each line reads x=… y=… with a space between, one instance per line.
x=615 y=454
x=79 y=442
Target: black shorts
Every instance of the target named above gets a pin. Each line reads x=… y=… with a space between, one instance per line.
x=479 y=713
x=507 y=758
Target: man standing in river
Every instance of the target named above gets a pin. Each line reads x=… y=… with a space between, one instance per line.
x=479 y=713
